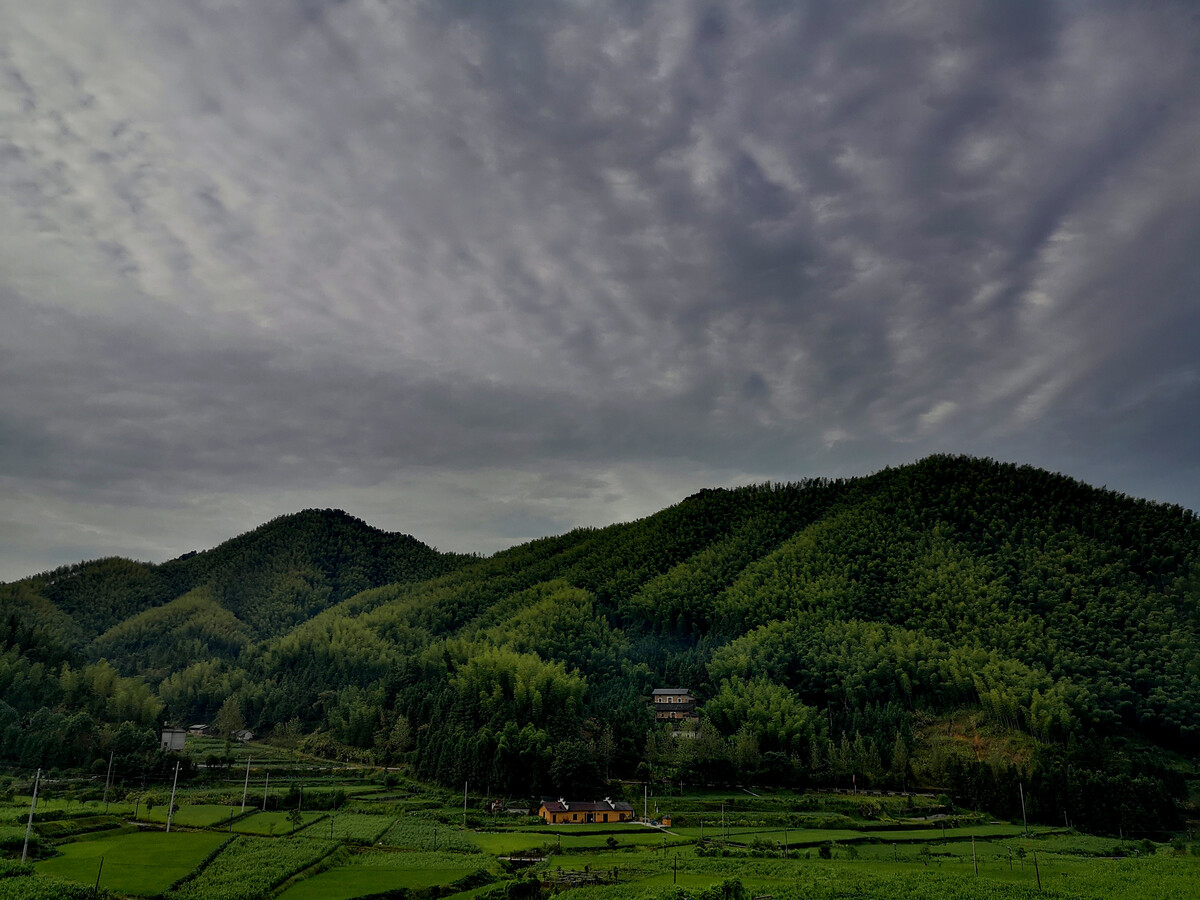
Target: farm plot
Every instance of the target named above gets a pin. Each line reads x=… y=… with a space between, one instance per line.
x=356 y=828
x=375 y=872
x=198 y=815
x=12 y=838
x=643 y=837
x=273 y=824
x=510 y=843
x=142 y=864
x=796 y=837
x=250 y=866
x=39 y=887
x=410 y=833
x=18 y=811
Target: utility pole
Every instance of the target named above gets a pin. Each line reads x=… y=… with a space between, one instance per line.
x=1036 y=870
x=96 y=889
x=32 y=806
x=465 y=783
x=266 y=782
x=645 y=803
x=974 y=858
x=108 y=779
x=676 y=869
x=246 y=786
x=171 y=806
x=722 y=820
x=1021 y=788
x=785 y=843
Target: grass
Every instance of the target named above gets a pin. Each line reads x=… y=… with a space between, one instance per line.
x=199 y=815
x=507 y=843
x=18 y=811
x=375 y=872
x=358 y=828
x=251 y=866
x=274 y=824
x=141 y=864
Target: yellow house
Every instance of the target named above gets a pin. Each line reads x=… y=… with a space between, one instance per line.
x=582 y=812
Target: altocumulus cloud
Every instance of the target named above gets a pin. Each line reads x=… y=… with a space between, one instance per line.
x=482 y=272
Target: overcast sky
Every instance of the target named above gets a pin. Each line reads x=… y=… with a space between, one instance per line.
x=482 y=272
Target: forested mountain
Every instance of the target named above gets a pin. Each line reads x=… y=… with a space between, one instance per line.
x=959 y=623
x=255 y=586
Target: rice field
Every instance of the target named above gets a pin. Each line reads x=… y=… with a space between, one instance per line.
x=375 y=872
x=142 y=864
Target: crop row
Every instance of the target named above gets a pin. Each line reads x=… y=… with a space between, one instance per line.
x=359 y=828
x=249 y=867
x=423 y=834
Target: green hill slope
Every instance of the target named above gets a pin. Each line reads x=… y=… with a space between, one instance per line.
x=270 y=578
x=828 y=629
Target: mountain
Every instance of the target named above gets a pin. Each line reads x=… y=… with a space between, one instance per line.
x=959 y=623
x=215 y=603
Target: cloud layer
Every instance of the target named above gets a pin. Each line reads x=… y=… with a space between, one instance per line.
x=482 y=272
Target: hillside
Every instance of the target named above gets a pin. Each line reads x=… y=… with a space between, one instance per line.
x=255 y=586
x=830 y=629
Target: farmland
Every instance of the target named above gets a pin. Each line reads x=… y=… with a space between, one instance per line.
x=140 y=864
x=378 y=835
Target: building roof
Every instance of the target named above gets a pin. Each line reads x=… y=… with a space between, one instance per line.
x=560 y=805
x=659 y=692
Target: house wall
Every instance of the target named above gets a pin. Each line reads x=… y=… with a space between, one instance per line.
x=579 y=818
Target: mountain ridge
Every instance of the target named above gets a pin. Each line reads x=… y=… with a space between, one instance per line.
x=822 y=624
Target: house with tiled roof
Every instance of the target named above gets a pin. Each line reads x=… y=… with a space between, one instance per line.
x=583 y=812
x=674 y=705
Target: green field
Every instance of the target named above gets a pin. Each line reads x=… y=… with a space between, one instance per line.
x=375 y=872
x=251 y=866
x=353 y=827
x=18 y=810
x=872 y=852
x=412 y=833
x=143 y=864
x=571 y=838
x=200 y=815
x=274 y=824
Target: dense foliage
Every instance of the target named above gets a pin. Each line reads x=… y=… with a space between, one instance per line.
x=828 y=628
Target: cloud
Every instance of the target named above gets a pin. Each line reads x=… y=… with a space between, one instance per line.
x=326 y=248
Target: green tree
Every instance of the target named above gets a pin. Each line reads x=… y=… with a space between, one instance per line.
x=229 y=719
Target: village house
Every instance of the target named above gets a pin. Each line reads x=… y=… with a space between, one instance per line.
x=582 y=812
x=172 y=740
x=674 y=705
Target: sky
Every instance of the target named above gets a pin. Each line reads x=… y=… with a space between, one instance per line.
x=482 y=272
